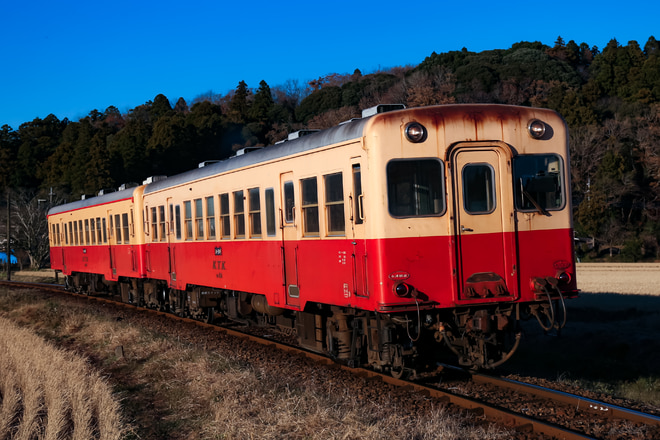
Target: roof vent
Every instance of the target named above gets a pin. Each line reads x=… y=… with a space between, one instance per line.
x=300 y=133
x=106 y=191
x=206 y=163
x=153 y=179
x=242 y=151
x=125 y=186
x=381 y=108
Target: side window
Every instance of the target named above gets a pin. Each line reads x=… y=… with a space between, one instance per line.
x=538 y=182
x=87 y=231
x=415 y=188
x=92 y=231
x=177 y=221
x=118 y=228
x=99 y=237
x=210 y=217
x=289 y=202
x=334 y=204
x=105 y=237
x=270 y=211
x=310 y=206
x=66 y=234
x=154 y=224
x=199 y=220
x=161 y=222
x=187 y=219
x=80 y=230
x=75 y=232
x=224 y=216
x=239 y=215
x=255 y=212
x=358 y=206
x=478 y=188
x=124 y=222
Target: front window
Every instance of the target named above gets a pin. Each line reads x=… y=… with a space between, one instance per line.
x=415 y=187
x=478 y=188
x=538 y=182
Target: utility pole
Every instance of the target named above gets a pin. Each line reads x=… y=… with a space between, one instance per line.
x=8 y=237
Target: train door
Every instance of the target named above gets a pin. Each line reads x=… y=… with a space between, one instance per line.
x=484 y=222
x=111 y=248
x=289 y=227
x=173 y=234
x=357 y=217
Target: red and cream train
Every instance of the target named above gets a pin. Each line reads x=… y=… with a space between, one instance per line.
x=379 y=241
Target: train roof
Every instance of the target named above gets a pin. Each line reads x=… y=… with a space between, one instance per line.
x=93 y=201
x=343 y=132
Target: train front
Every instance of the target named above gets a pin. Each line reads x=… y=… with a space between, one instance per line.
x=478 y=229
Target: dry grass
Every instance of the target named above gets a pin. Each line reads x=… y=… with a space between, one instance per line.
x=624 y=278
x=49 y=393
x=172 y=389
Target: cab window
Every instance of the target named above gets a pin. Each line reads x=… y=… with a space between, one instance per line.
x=538 y=182
x=415 y=188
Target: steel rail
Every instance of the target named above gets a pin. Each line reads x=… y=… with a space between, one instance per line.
x=579 y=402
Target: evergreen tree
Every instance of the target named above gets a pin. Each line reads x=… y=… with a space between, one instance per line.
x=262 y=106
x=239 y=106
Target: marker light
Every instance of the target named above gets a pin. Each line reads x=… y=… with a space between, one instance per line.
x=415 y=132
x=536 y=128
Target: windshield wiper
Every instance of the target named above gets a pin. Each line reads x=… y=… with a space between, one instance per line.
x=535 y=203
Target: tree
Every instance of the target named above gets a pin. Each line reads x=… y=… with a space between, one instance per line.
x=239 y=105
x=31 y=229
x=262 y=105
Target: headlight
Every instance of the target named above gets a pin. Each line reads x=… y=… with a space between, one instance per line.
x=415 y=132
x=536 y=129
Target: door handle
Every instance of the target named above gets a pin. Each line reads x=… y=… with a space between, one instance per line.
x=464 y=229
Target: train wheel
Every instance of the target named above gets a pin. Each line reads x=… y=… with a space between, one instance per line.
x=398 y=367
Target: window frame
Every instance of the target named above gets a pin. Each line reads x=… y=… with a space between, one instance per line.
x=441 y=180
x=331 y=206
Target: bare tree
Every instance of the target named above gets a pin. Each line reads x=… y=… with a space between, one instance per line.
x=30 y=227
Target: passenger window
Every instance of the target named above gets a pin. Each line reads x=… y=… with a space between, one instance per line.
x=199 y=220
x=239 y=215
x=357 y=191
x=270 y=211
x=92 y=230
x=99 y=237
x=187 y=219
x=310 y=206
x=255 y=212
x=479 y=188
x=224 y=216
x=80 y=229
x=66 y=234
x=415 y=188
x=177 y=221
x=75 y=232
x=124 y=219
x=161 y=222
x=87 y=231
x=105 y=236
x=334 y=204
x=289 y=202
x=118 y=228
x=538 y=182
x=154 y=224
x=210 y=217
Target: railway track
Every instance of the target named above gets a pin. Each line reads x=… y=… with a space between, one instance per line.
x=533 y=411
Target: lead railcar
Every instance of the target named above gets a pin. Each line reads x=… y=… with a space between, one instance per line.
x=379 y=241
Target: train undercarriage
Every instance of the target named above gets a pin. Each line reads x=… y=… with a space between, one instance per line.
x=402 y=343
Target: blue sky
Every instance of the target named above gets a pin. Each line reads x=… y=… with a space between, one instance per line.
x=70 y=57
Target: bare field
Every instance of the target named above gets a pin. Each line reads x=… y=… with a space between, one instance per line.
x=622 y=278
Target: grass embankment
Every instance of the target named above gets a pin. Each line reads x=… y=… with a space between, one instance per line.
x=172 y=389
x=49 y=393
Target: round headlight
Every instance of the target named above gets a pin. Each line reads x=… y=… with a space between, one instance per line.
x=415 y=132
x=536 y=128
